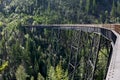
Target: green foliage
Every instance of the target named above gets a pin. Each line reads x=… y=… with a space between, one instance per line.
x=32 y=78
x=58 y=12
x=4 y=66
x=57 y=73
x=45 y=54
x=113 y=10
x=1 y=24
x=87 y=5
x=20 y=73
x=118 y=7
x=40 y=77
x=51 y=73
x=60 y=73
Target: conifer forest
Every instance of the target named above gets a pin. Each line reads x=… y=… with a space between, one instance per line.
x=44 y=53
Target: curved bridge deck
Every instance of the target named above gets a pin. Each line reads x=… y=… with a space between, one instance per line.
x=114 y=67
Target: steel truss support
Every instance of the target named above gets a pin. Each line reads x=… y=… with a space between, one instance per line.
x=84 y=54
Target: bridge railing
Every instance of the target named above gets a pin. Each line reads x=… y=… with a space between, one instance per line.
x=117 y=28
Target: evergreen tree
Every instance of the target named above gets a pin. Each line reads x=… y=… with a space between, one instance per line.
x=87 y=6
x=118 y=8
x=20 y=73
x=40 y=77
x=32 y=78
x=1 y=24
x=94 y=6
x=113 y=10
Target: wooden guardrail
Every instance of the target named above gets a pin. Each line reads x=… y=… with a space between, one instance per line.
x=108 y=26
x=117 y=28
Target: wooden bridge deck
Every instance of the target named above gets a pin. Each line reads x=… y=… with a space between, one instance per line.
x=114 y=67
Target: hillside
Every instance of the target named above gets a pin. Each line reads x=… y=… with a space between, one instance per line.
x=60 y=11
x=38 y=53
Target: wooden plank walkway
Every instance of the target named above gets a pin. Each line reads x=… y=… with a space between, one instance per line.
x=114 y=68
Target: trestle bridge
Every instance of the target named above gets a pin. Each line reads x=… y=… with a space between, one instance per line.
x=93 y=51
x=100 y=39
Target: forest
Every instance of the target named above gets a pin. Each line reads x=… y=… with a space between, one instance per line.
x=48 y=53
x=33 y=12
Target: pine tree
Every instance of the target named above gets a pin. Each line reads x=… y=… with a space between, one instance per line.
x=51 y=73
x=20 y=73
x=32 y=78
x=60 y=73
x=113 y=10
x=94 y=6
x=87 y=6
x=40 y=77
x=1 y=24
x=106 y=17
x=118 y=7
